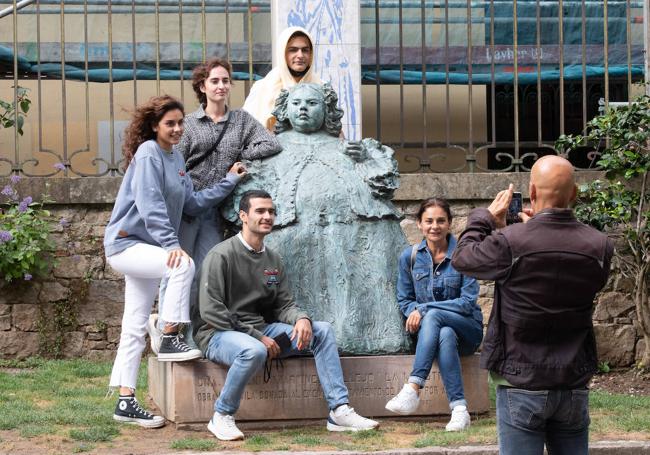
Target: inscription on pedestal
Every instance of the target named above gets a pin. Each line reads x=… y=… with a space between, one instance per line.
x=186 y=391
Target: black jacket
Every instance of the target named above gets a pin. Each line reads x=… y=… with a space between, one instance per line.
x=547 y=272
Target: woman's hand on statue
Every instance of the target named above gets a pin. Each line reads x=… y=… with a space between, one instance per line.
x=356 y=150
x=302 y=330
x=413 y=321
x=272 y=347
x=238 y=169
x=174 y=258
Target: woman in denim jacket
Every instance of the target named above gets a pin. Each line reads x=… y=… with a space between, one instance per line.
x=440 y=307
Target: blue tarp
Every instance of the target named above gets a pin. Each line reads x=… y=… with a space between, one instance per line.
x=525 y=78
x=7 y=57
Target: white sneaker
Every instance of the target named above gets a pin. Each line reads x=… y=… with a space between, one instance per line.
x=344 y=418
x=405 y=402
x=155 y=335
x=224 y=428
x=459 y=419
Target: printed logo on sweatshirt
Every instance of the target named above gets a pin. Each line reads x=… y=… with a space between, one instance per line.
x=272 y=277
x=181 y=173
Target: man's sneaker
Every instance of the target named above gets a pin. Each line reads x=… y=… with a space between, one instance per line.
x=173 y=349
x=155 y=335
x=405 y=402
x=344 y=418
x=224 y=428
x=128 y=410
x=459 y=419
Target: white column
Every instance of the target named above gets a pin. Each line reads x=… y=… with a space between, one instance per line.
x=335 y=27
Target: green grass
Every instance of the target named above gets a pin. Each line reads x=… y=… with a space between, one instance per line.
x=257 y=442
x=618 y=413
x=307 y=440
x=194 y=444
x=95 y=434
x=65 y=400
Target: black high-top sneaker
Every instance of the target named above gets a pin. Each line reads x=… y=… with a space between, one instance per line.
x=174 y=349
x=128 y=410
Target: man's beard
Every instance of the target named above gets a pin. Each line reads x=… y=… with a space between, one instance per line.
x=298 y=73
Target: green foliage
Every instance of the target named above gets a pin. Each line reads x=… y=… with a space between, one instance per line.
x=26 y=246
x=603 y=367
x=620 y=205
x=9 y=114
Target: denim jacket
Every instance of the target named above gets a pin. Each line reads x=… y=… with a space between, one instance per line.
x=442 y=287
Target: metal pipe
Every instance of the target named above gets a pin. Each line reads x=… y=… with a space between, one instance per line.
x=111 y=92
x=15 y=64
x=470 y=107
x=135 y=61
x=424 y=80
x=377 y=86
x=561 y=62
x=401 y=77
x=64 y=95
x=15 y=7
x=515 y=40
x=367 y=4
x=606 y=53
x=646 y=44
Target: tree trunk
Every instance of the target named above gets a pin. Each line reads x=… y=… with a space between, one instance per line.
x=641 y=298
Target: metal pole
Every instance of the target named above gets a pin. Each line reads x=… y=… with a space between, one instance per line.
x=646 y=43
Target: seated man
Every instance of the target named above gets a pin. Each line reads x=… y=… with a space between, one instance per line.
x=244 y=303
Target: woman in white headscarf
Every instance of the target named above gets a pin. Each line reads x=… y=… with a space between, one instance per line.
x=294 y=56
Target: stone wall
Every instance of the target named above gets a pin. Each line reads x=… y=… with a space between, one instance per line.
x=77 y=309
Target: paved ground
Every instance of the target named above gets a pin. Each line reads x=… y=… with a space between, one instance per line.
x=597 y=448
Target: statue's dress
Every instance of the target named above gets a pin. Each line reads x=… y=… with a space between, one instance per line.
x=338 y=234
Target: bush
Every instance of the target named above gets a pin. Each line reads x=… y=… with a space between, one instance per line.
x=25 y=244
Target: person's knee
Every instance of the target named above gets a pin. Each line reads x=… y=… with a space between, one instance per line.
x=254 y=354
x=432 y=317
x=185 y=268
x=322 y=329
x=448 y=336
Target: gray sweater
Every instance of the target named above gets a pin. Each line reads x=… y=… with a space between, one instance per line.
x=241 y=290
x=245 y=139
x=154 y=193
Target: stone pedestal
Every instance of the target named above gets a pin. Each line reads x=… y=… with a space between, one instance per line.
x=185 y=392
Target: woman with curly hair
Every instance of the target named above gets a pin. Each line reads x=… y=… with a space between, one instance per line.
x=216 y=136
x=141 y=241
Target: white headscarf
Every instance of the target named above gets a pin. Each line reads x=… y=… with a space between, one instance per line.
x=261 y=99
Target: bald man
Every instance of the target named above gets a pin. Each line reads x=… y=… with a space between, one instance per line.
x=539 y=346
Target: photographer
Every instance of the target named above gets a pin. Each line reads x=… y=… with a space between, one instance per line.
x=539 y=345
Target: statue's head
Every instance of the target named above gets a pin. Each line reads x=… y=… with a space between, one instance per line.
x=308 y=108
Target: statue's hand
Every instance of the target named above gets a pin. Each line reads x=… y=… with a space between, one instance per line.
x=356 y=150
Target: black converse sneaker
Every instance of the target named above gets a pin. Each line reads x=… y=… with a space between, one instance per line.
x=173 y=349
x=128 y=410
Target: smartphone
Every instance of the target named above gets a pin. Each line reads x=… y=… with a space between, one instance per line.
x=283 y=341
x=516 y=206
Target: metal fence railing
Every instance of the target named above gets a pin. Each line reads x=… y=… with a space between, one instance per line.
x=451 y=85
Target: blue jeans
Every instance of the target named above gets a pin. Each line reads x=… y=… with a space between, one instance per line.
x=526 y=419
x=445 y=336
x=196 y=237
x=246 y=356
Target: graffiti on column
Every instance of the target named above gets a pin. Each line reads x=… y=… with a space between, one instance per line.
x=325 y=21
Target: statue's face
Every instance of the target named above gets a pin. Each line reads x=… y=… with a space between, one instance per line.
x=306 y=109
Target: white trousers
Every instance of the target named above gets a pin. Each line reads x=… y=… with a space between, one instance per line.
x=143 y=267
